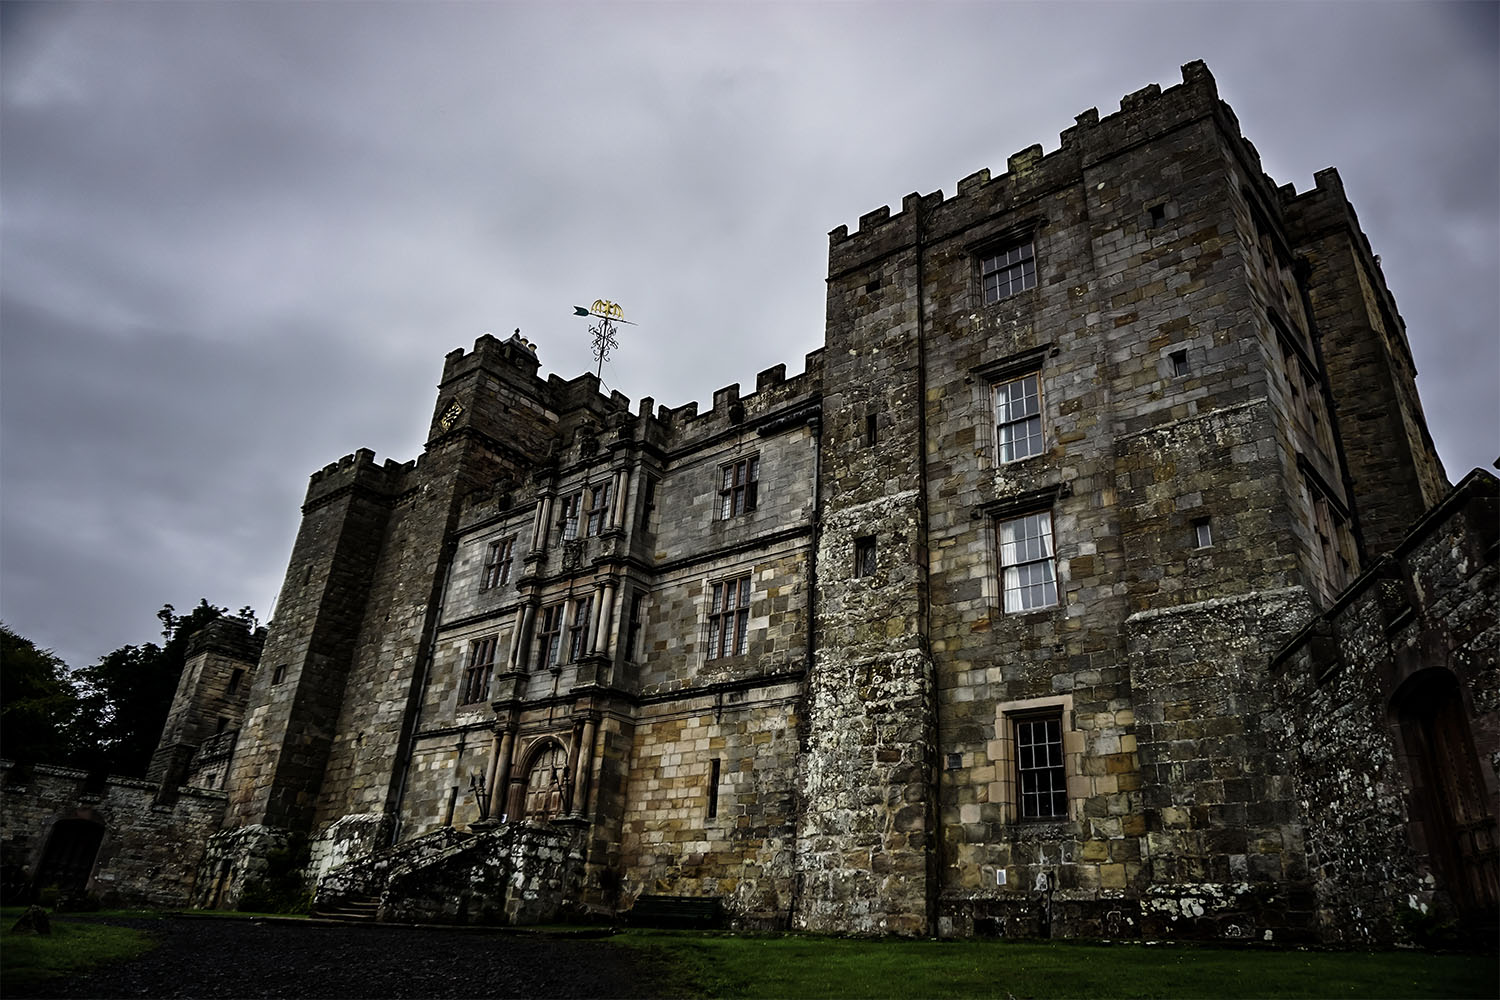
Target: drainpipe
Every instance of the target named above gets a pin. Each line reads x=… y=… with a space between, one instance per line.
x=934 y=810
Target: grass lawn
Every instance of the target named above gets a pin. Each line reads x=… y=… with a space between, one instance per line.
x=27 y=959
x=790 y=966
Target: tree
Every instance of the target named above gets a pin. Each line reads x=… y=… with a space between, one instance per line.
x=37 y=702
x=127 y=694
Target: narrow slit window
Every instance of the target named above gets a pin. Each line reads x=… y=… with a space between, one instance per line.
x=864 y=556
x=1179 y=361
x=1203 y=533
x=872 y=430
x=713 y=788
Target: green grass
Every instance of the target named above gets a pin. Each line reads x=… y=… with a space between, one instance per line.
x=73 y=946
x=790 y=966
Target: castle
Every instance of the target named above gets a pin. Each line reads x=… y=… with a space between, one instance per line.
x=1097 y=577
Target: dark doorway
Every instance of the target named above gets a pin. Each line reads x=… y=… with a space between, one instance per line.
x=1450 y=801
x=68 y=860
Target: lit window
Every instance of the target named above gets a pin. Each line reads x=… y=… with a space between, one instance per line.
x=1018 y=418
x=864 y=556
x=497 y=563
x=549 y=634
x=477 y=675
x=1010 y=271
x=738 y=482
x=598 y=508
x=569 y=518
x=1040 y=775
x=578 y=628
x=1027 y=561
x=729 y=618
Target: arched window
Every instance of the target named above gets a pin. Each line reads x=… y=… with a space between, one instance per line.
x=1447 y=790
x=545 y=782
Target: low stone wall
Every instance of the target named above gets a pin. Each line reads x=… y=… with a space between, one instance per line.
x=516 y=874
x=367 y=876
x=232 y=861
x=150 y=852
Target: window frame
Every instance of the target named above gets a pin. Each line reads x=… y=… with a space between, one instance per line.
x=738 y=493
x=579 y=622
x=636 y=625
x=498 y=558
x=1046 y=556
x=865 y=553
x=596 y=518
x=1036 y=442
x=478 y=672
x=726 y=619
x=1029 y=804
x=549 y=633
x=570 y=509
x=1006 y=270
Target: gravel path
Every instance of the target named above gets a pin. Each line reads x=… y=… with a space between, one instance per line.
x=225 y=958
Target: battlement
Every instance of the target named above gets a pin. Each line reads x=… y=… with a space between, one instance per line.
x=229 y=635
x=1030 y=172
x=773 y=391
x=515 y=353
x=360 y=469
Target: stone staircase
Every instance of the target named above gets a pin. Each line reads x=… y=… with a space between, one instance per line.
x=362 y=909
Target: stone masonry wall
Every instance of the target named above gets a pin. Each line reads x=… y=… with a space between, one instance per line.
x=150 y=852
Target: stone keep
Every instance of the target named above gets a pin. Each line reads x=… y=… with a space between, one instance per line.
x=967 y=629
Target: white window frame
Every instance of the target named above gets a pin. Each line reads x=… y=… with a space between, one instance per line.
x=1017 y=407
x=1028 y=562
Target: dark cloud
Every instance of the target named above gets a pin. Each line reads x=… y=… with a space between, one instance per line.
x=238 y=239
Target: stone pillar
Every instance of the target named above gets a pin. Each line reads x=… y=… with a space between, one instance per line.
x=582 y=766
x=604 y=600
x=617 y=512
x=539 y=529
x=520 y=638
x=500 y=773
x=497 y=748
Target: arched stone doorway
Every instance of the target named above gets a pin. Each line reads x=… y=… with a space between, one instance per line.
x=68 y=860
x=545 y=791
x=1452 y=814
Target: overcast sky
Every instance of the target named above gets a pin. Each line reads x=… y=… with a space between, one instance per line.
x=236 y=240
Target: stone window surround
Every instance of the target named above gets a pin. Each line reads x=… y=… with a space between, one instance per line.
x=481 y=664
x=990 y=376
x=726 y=629
x=1006 y=270
x=497 y=562
x=1027 y=582
x=738 y=486
x=1019 y=505
x=1004 y=791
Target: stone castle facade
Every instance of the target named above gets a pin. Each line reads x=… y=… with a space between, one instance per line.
x=1072 y=588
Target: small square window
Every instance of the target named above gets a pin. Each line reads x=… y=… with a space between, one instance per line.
x=1158 y=214
x=1003 y=274
x=1018 y=418
x=1028 y=562
x=1179 y=362
x=1203 y=533
x=864 y=556
x=738 y=484
x=279 y=674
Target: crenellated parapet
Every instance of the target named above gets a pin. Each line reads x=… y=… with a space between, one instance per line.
x=775 y=396
x=359 y=472
x=1145 y=114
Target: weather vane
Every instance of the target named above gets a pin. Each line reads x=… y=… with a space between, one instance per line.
x=608 y=314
